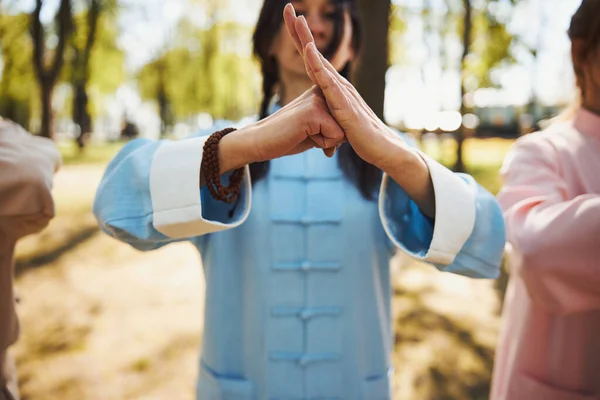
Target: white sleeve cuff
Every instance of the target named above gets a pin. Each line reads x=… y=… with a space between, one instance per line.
x=454 y=215
x=175 y=191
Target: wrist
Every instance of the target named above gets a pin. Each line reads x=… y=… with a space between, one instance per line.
x=404 y=164
x=409 y=170
x=235 y=150
x=393 y=152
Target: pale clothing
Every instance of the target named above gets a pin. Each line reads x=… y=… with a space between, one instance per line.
x=550 y=341
x=27 y=165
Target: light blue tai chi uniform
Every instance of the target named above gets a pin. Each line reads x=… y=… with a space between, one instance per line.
x=298 y=280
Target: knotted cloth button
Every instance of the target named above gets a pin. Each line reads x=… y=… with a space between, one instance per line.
x=307 y=314
x=304 y=360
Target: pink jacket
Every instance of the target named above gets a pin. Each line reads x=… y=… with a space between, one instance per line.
x=27 y=164
x=550 y=342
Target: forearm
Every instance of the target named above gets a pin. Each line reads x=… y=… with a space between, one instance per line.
x=550 y=235
x=404 y=165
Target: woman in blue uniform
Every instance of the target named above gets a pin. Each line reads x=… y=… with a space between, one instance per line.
x=297 y=272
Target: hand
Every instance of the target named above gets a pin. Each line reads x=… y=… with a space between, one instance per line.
x=364 y=130
x=344 y=52
x=301 y=125
x=370 y=138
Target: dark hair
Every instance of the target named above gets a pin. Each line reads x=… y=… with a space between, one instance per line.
x=365 y=176
x=585 y=25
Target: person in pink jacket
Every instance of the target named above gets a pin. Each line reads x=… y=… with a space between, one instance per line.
x=27 y=164
x=550 y=340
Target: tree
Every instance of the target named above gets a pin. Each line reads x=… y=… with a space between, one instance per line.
x=479 y=57
x=203 y=71
x=152 y=80
x=467 y=39
x=18 y=90
x=369 y=77
x=48 y=72
x=94 y=33
x=80 y=73
x=486 y=45
x=397 y=29
x=534 y=45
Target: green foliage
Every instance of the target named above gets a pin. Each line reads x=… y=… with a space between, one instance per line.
x=106 y=68
x=19 y=98
x=490 y=48
x=18 y=87
x=107 y=60
x=205 y=71
x=397 y=30
x=96 y=153
x=491 y=41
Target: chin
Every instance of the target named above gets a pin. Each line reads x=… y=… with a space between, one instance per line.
x=297 y=70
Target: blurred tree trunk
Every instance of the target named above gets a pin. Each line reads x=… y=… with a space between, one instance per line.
x=163 y=108
x=81 y=74
x=369 y=77
x=467 y=40
x=47 y=75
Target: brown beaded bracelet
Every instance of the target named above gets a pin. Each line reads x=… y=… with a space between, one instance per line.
x=212 y=171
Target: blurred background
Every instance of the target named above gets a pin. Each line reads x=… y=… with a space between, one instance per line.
x=103 y=321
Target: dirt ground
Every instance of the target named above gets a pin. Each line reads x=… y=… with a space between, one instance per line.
x=101 y=321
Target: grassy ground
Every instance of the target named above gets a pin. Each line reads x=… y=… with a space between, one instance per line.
x=483 y=158
x=103 y=321
x=94 y=154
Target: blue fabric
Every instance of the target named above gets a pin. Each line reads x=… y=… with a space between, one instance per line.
x=298 y=296
x=123 y=206
x=482 y=253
